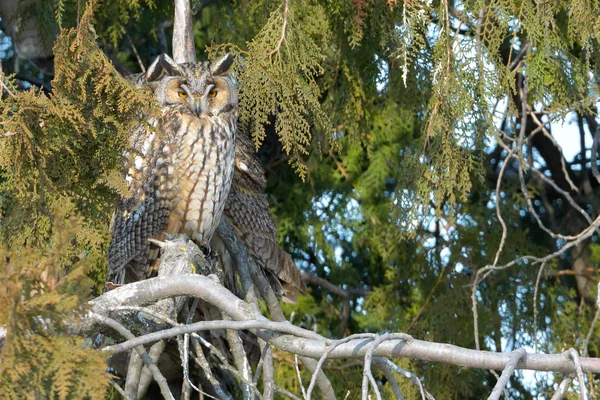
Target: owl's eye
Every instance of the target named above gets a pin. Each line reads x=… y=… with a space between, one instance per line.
x=182 y=94
x=212 y=94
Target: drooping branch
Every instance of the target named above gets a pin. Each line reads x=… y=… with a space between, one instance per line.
x=252 y=277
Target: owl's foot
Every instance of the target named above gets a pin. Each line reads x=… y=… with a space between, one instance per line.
x=209 y=253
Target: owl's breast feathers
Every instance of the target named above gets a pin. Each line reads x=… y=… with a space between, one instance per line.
x=179 y=176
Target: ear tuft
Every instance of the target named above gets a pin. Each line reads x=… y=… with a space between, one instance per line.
x=163 y=66
x=222 y=65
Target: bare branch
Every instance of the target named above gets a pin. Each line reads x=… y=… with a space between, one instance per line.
x=595 y=154
x=367 y=375
x=389 y=376
x=333 y=346
x=183 y=35
x=572 y=353
x=299 y=377
x=241 y=361
x=286 y=393
x=137 y=56
x=322 y=381
x=158 y=377
x=118 y=389
x=515 y=356
x=535 y=296
x=344 y=293
x=268 y=372
x=411 y=377
x=134 y=374
x=586 y=342
x=251 y=275
x=155 y=352
x=562 y=388
x=203 y=363
x=308 y=343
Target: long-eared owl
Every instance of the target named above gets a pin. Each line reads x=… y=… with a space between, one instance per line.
x=179 y=165
x=180 y=168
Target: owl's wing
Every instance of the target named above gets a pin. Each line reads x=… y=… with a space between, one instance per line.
x=248 y=211
x=141 y=214
x=248 y=170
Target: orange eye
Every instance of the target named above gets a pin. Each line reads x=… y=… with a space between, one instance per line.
x=182 y=94
x=212 y=94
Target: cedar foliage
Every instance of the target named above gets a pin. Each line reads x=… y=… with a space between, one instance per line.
x=385 y=109
x=60 y=171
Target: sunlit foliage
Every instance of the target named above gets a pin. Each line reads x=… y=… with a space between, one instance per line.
x=377 y=122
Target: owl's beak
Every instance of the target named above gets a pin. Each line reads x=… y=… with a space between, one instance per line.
x=198 y=107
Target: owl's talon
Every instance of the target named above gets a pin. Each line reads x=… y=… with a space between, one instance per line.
x=204 y=248
x=207 y=251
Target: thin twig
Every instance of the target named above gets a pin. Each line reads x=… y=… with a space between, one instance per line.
x=595 y=172
x=158 y=376
x=389 y=376
x=3 y=85
x=137 y=56
x=572 y=353
x=339 y=165
x=319 y=366
x=506 y=373
x=286 y=8
x=411 y=377
x=586 y=342
x=535 y=296
x=367 y=375
x=183 y=346
x=286 y=393
x=300 y=377
x=203 y=363
x=118 y=388
x=562 y=388
x=427 y=300
x=555 y=143
x=155 y=352
x=500 y=247
x=283 y=327
x=7 y=134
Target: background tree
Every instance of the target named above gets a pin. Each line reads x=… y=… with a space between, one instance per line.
x=411 y=162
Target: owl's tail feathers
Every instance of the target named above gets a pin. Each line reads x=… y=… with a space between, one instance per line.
x=292 y=283
x=274 y=259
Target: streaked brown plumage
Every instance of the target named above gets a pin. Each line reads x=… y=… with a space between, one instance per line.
x=179 y=166
x=248 y=212
x=180 y=171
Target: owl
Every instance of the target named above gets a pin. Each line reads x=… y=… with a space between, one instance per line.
x=248 y=212
x=179 y=165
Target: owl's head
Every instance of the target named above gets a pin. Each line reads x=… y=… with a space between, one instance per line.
x=199 y=89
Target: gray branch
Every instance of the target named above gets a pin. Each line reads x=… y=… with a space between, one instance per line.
x=506 y=374
x=183 y=33
x=312 y=345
